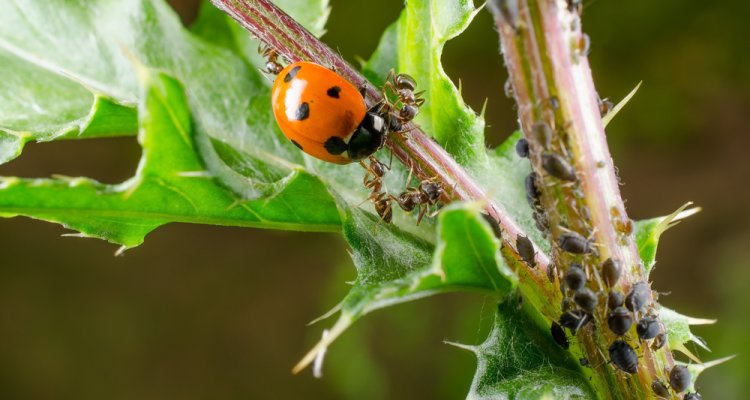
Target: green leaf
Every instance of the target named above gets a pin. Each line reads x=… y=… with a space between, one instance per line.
x=519 y=360
x=420 y=45
x=95 y=49
x=171 y=185
x=40 y=104
x=219 y=133
x=394 y=267
x=678 y=331
x=648 y=232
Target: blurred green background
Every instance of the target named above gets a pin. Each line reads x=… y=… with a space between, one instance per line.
x=209 y=312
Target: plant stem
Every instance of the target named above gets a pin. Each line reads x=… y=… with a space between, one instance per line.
x=415 y=149
x=545 y=54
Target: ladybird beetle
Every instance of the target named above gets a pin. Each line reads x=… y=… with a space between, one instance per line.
x=325 y=115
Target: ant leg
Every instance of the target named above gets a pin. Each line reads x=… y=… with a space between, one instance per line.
x=365 y=179
x=422 y=211
x=378 y=107
x=408 y=179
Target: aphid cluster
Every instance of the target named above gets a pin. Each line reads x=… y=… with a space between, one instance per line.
x=325 y=116
x=590 y=289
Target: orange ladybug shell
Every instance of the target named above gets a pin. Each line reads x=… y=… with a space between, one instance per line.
x=313 y=104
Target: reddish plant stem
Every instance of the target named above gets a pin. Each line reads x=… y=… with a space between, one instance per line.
x=545 y=54
x=428 y=159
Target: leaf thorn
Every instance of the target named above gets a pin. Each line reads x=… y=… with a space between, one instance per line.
x=461 y=346
x=327 y=314
x=607 y=118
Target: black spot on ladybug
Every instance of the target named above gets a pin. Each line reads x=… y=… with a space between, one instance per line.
x=335 y=145
x=623 y=357
x=334 y=92
x=292 y=73
x=298 y=145
x=303 y=111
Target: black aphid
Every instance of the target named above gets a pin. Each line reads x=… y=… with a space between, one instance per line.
x=584 y=361
x=556 y=166
x=638 y=297
x=551 y=273
x=647 y=328
x=526 y=250
x=558 y=333
x=660 y=389
x=532 y=189
x=494 y=225
x=574 y=319
x=611 y=271
x=586 y=299
x=614 y=299
x=659 y=341
x=574 y=277
x=679 y=378
x=543 y=134
x=522 y=148
x=623 y=356
x=540 y=220
x=566 y=304
x=619 y=321
x=573 y=242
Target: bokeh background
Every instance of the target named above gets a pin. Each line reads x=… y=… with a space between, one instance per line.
x=211 y=312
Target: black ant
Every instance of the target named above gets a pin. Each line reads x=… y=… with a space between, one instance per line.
x=403 y=85
x=427 y=194
x=272 y=64
x=373 y=180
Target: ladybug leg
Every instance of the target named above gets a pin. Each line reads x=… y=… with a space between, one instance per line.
x=363 y=90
